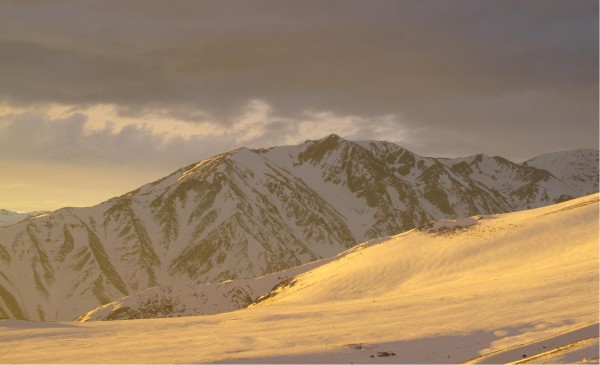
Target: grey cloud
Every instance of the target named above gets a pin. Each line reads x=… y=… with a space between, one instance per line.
x=440 y=64
x=33 y=137
x=36 y=73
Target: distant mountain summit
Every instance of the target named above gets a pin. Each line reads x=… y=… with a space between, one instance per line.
x=9 y=217
x=577 y=168
x=246 y=213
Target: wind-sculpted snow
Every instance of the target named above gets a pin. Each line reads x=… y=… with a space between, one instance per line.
x=248 y=213
x=502 y=288
x=183 y=300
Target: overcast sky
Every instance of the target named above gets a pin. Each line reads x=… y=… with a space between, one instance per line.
x=99 y=97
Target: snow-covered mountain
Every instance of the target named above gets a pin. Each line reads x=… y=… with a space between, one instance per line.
x=543 y=180
x=247 y=213
x=9 y=217
x=494 y=289
x=577 y=168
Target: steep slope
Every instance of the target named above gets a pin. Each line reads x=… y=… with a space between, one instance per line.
x=497 y=287
x=240 y=215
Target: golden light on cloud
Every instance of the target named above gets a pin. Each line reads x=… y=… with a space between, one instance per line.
x=183 y=82
x=101 y=117
x=101 y=152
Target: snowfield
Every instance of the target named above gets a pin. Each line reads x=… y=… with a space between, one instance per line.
x=504 y=288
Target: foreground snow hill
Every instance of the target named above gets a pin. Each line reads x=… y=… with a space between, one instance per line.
x=247 y=213
x=183 y=300
x=496 y=288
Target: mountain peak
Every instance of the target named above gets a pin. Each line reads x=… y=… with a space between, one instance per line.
x=320 y=148
x=246 y=213
x=331 y=136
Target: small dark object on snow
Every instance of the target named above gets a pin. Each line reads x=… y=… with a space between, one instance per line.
x=524 y=355
x=385 y=354
x=372 y=356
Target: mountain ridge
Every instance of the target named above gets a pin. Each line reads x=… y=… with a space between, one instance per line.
x=247 y=213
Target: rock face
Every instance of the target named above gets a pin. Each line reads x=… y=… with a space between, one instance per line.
x=246 y=213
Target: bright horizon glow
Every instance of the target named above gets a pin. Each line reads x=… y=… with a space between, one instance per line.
x=49 y=187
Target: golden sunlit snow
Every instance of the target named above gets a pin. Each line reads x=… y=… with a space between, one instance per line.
x=443 y=295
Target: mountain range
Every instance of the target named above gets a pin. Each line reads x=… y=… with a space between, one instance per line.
x=520 y=287
x=247 y=213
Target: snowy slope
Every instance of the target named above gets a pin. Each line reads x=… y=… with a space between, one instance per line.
x=181 y=300
x=577 y=168
x=244 y=214
x=523 y=186
x=8 y=217
x=492 y=287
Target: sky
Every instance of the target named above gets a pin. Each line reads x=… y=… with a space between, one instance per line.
x=100 y=97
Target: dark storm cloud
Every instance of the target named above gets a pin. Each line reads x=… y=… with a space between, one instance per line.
x=35 y=73
x=482 y=69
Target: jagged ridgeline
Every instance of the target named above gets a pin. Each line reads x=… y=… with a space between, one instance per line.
x=246 y=213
